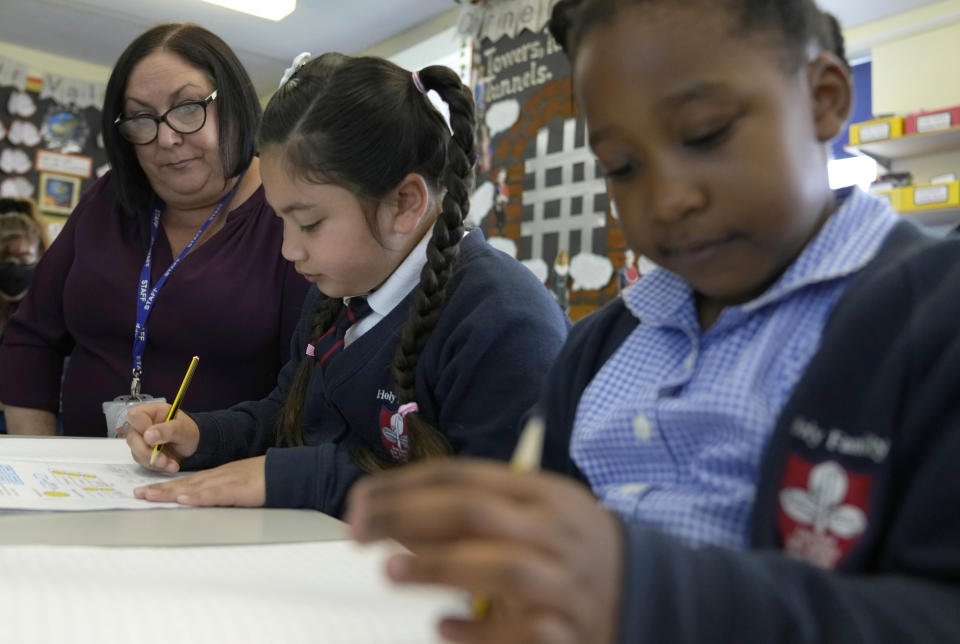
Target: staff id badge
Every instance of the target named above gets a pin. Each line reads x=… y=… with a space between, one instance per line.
x=116 y=411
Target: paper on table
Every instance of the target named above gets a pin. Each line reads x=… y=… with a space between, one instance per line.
x=57 y=485
x=332 y=592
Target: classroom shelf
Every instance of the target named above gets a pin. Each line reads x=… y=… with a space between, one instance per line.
x=910 y=146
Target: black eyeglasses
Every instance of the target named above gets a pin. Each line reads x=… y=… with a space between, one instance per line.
x=185 y=118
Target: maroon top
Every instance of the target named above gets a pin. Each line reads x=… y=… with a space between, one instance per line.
x=233 y=301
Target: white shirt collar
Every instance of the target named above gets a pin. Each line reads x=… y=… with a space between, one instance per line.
x=383 y=300
x=403 y=279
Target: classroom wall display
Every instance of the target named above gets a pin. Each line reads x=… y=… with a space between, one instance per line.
x=50 y=143
x=59 y=193
x=54 y=225
x=14 y=161
x=541 y=195
x=72 y=164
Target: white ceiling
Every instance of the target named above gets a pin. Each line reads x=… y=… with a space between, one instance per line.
x=97 y=31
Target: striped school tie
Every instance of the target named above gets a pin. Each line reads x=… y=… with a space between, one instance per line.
x=332 y=340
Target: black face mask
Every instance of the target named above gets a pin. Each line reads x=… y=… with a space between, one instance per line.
x=15 y=278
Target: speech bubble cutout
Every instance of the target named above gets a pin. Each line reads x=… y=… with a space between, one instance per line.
x=481 y=201
x=538 y=267
x=502 y=115
x=504 y=245
x=590 y=272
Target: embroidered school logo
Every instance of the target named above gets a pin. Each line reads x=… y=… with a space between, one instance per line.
x=822 y=511
x=393 y=433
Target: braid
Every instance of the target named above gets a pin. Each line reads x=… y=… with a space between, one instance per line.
x=429 y=298
x=442 y=248
x=290 y=426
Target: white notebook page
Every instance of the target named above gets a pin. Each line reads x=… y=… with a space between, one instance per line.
x=332 y=592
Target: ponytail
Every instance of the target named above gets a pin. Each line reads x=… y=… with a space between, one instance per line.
x=429 y=298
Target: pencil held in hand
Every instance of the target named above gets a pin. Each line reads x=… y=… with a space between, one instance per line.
x=526 y=458
x=176 y=401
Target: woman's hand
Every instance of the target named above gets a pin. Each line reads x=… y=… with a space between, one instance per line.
x=146 y=427
x=539 y=545
x=241 y=483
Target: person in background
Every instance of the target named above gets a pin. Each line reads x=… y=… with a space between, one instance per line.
x=22 y=241
x=28 y=207
x=418 y=338
x=628 y=273
x=560 y=280
x=770 y=419
x=171 y=254
x=501 y=197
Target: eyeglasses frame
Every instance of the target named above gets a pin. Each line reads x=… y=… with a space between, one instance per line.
x=204 y=102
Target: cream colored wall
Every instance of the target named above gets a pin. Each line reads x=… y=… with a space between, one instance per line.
x=404 y=40
x=914 y=57
x=40 y=62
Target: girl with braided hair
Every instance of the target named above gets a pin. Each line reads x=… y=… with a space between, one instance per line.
x=418 y=339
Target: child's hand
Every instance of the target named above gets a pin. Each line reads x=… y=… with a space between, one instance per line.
x=541 y=545
x=241 y=483
x=145 y=428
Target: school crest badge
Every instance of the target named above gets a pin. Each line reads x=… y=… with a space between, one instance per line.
x=822 y=512
x=393 y=433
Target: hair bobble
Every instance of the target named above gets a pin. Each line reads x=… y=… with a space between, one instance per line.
x=408 y=408
x=418 y=83
x=298 y=62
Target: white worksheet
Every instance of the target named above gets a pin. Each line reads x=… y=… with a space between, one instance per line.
x=57 y=485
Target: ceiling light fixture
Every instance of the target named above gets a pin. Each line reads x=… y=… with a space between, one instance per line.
x=269 y=9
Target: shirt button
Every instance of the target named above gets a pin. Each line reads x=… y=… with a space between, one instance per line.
x=641 y=427
x=633 y=488
x=689 y=361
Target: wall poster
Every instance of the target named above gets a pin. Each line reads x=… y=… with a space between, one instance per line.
x=541 y=196
x=50 y=144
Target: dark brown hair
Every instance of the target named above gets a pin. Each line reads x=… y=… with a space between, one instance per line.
x=238 y=107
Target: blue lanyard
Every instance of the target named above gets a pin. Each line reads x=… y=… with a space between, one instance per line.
x=146 y=295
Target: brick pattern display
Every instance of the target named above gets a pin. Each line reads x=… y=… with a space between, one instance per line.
x=512 y=150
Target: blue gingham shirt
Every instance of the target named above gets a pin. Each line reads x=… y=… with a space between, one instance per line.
x=671 y=430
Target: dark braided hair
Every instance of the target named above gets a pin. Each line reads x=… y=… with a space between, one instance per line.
x=799 y=22
x=362 y=124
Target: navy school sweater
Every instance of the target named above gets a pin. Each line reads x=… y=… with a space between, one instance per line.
x=481 y=368
x=855 y=534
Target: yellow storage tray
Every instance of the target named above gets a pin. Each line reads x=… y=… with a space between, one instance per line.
x=876 y=130
x=929 y=197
